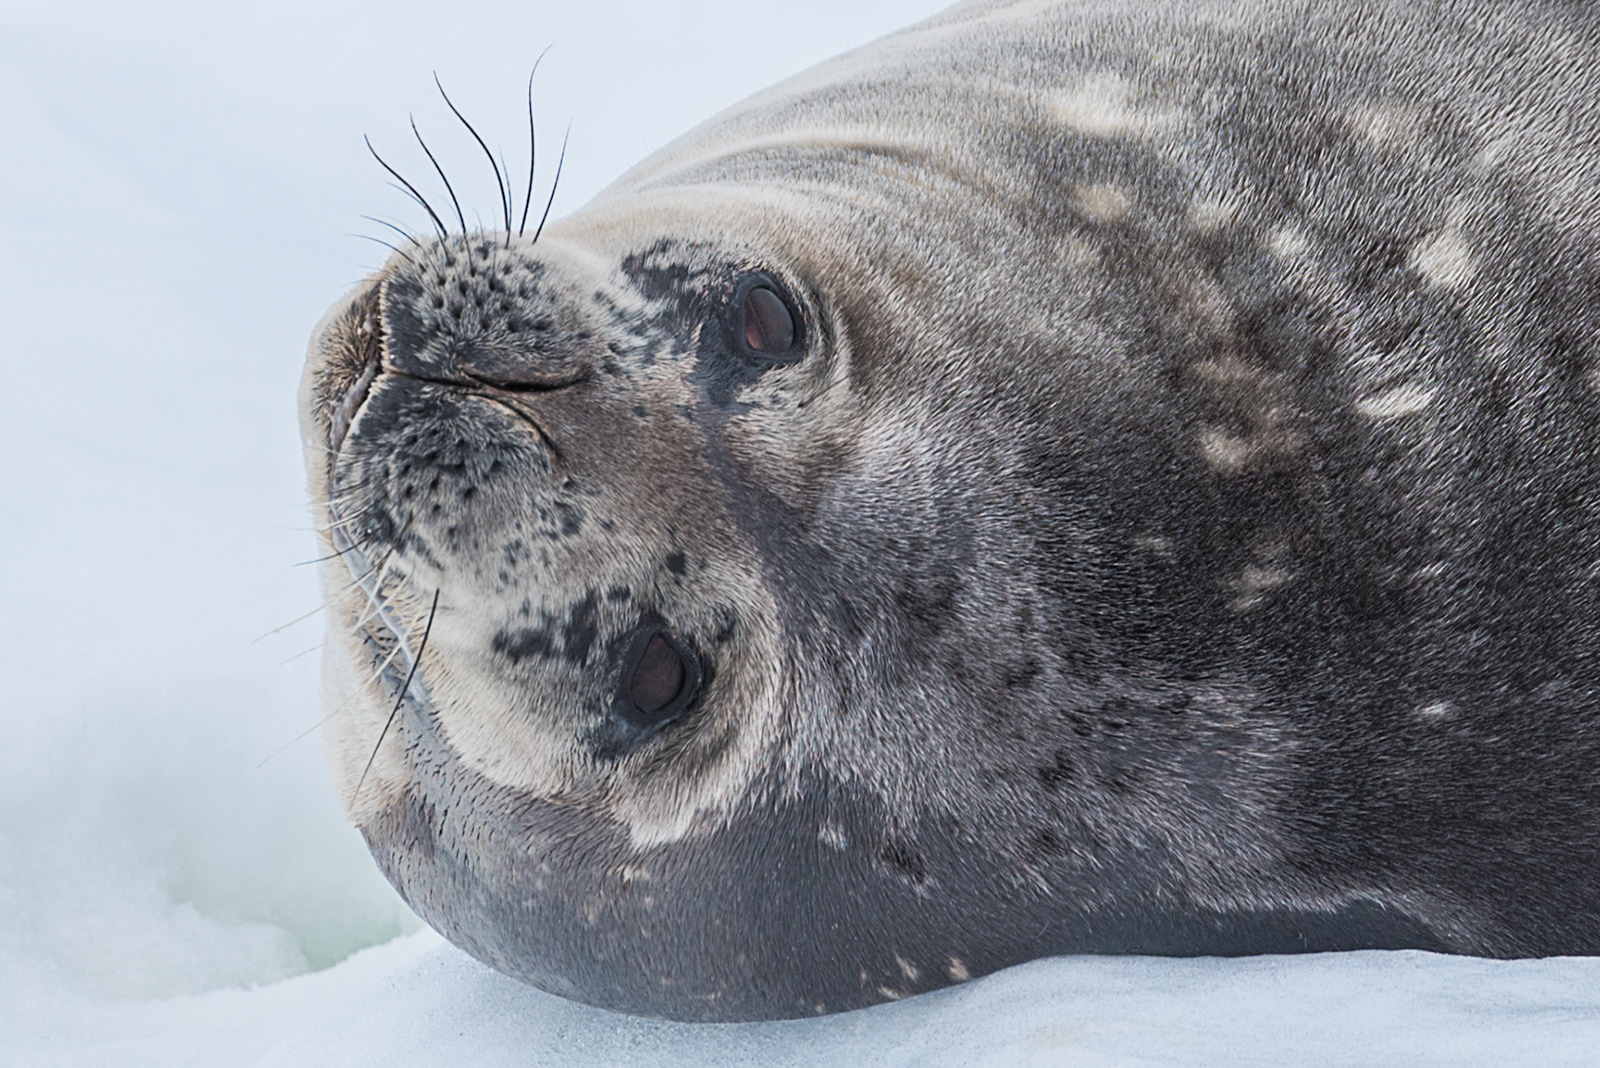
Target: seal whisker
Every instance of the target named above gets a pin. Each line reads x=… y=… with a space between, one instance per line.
x=402 y=231
x=398 y=701
x=340 y=707
x=386 y=244
x=322 y=559
x=507 y=172
x=409 y=188
x=505 y=196
x=292 y=622
x=553 y=185
x=460 y=215
x=397 y=229
x=303 y=652
x=533 y=144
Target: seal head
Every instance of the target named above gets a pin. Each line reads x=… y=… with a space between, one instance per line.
x=1026 y=487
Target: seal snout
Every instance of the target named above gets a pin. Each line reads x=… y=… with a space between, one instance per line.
x=483 y=317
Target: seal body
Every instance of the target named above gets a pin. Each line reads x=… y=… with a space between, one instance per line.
x=1097 y=477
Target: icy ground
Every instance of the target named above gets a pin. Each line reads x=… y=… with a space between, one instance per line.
x=176 y=884
x=418 y=1002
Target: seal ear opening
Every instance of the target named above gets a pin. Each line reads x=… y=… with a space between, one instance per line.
x=661 y=679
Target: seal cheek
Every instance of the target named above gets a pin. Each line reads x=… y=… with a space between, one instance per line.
x=361 y=709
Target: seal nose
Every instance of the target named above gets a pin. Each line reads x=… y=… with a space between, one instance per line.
x=469 y=324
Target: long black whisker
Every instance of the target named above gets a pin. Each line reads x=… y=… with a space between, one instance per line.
x=416 y=663
x=322 y=559
x=437 y=227
x=438 y=224
x=392 y=248
x=505 y=197
x=402 y=231
x=459 y=215
x=325 y=718
x=554 y=185
x=533 y=143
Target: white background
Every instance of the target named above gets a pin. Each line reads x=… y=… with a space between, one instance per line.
x=177 y=186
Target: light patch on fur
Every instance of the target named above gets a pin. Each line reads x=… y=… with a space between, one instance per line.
x=1104 y=105
x=1495 y=152
x=1388 y=127
x=1403 y=400
x=1078 y=252
x=1288 y=243
x=907 y=969
x=1157 y=546
x=1102 y=202
x=830 y=835
x=1436 y=711
x=1444 y=259
x=1234 y=454
x=1263 y=435
x=956 y=969
x=1253 y=584
x=1209 y=216
x=1226 y=452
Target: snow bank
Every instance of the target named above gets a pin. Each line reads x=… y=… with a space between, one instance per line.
x=1356 y=1009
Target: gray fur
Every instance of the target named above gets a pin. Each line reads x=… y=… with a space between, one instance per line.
x=1180 y=535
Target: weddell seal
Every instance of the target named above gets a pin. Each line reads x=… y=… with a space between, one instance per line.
x=1068 y=477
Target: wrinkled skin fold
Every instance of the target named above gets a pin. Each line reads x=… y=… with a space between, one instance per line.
x=1151 y=505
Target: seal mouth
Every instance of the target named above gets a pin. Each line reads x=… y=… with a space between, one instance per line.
x=344 y=414
x=381 y=631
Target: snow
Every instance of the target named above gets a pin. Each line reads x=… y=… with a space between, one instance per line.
x=177 y=886
x=1330 y=1009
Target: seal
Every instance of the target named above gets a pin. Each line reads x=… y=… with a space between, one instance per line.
x=1068 y=477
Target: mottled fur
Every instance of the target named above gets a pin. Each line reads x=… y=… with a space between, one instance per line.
x=1182 y=534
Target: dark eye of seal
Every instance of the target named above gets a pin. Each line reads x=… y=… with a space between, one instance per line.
x=768 y=326
x=664 y=680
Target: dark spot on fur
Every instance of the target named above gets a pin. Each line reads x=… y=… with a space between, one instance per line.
x=1058 y=773
x=1021 y=676
x=571 y=519
x=581 y=628
x=521 y=644
x=677 y=564
x=1042 y=845
x=905 y=860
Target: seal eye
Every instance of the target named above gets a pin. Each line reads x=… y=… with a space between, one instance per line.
x=663 y=681
x=768 y=326
x=657 y=678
